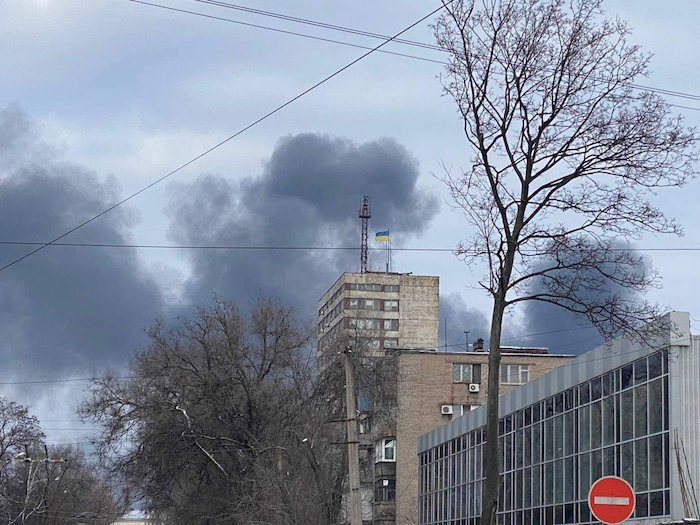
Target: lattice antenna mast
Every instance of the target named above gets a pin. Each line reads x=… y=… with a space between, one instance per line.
x=364 y=214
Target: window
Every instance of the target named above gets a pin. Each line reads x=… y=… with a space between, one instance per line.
x=386 y=450
x=366 y=287
x=460 y=410
x=385 y=490
x=364 y=324
x=462 y=373
x=391 y=288
x=363 y=304
x=391 y=342
x=369 y=304
x=372 y=344
x=553 y=450
x=391 y=324
x=391 y=306
x=515 y=374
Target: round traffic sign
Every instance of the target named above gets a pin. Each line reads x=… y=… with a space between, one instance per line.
x=611 y=500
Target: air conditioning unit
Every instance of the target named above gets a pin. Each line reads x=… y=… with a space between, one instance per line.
x=473 y=388
x=446 y=410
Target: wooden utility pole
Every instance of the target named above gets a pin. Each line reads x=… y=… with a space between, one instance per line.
x=353 y=442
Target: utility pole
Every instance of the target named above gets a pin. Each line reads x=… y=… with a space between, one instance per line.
x=353 y=442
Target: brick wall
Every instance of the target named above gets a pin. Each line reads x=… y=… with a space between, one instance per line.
x=424 y=385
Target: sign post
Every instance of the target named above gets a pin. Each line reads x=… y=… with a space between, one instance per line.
x=611 y=500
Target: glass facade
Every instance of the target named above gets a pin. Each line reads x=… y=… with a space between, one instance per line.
x=551 y=452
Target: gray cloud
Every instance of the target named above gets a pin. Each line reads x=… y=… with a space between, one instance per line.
x=460 y=317
x=308 y=194
x=64 y=311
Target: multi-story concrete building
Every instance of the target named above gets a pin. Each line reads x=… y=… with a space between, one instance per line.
x=377 y=312
x=434 y=388
x=383 y=310
x=628 y=410
x=395 y=317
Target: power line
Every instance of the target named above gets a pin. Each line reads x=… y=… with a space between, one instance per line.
x=284 y=31
x=243 y=247
x=323 y=25
x=368 y=34
x=239 y=132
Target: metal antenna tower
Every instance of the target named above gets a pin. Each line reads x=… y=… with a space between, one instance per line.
x=364 y=214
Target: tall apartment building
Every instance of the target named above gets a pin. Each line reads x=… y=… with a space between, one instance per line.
x=384 y=310
x=396 y=317
x=377 y=312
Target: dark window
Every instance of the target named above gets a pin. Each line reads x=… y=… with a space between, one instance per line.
x=519 y=420
x=536 y=413
x=569 y=399
x=549 y=404
x=656 y=503
x=655 y=365
x=627 y=415
x=656 y=404
x=640 y=465
x=559 y=403
x=607 y=384
x=596 y=389
x=596 y=425
x=640 y=371
x=385 y=490
x=641 y=506
x=656 y=458
x=584 y=394
x=627 y=372
x=476 y=373
x=640 y=411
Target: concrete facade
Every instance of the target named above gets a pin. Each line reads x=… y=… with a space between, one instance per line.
x=377 y=312
x=385 y=310
x=426 y=383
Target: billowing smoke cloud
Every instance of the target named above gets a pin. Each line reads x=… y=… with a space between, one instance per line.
x=461 y=317
x=307 y=195
x=64 y=311
x=563 y=331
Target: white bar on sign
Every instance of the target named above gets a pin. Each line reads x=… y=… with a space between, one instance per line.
x=605 y=500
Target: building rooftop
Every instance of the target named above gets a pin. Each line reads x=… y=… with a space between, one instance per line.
x=506 y=350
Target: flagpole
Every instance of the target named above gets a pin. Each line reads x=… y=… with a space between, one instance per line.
x=388 y=241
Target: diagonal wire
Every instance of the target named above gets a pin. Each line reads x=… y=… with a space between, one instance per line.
x=239 y=132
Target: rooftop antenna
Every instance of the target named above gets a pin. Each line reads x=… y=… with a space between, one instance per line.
x=364 y=214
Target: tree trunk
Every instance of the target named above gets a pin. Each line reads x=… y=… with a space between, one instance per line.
x=489 y=496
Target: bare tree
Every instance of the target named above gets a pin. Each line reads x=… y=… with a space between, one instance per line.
x=565 y=154
x=41 y=485
x=223 y=419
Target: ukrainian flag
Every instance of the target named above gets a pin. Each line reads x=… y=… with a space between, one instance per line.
x=382 y=236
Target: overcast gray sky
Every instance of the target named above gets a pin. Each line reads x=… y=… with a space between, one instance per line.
x=100 y=98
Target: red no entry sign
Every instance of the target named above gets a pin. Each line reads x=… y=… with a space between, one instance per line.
x=611 y=500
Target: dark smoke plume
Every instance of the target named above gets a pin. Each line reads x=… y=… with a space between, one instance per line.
x=307 y=195
x=64 y=311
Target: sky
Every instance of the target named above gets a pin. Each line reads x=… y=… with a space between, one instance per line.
x=99 y=99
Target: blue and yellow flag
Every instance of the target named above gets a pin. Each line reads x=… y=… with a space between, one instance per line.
x=382 y=236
